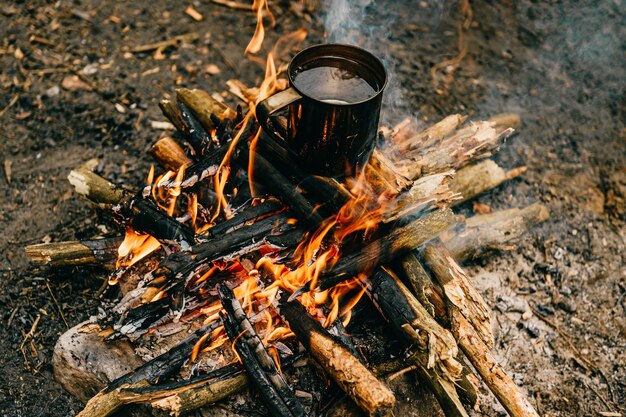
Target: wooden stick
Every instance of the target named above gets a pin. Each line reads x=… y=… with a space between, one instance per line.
x=473 y=180
x=259 y=365
x=340 y=364
x=203 y=106
x=458 y=289
x=470 y=332
x=476 y=236
x=494 y=375
x=169 y=154
x=182 y=397
x=141 y=214
x=187 y=37
x=71 y=253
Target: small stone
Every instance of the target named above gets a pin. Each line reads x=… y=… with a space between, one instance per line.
x=53 y=91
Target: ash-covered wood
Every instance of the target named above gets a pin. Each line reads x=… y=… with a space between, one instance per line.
x=473 y=180
x=261 y=369
x=101 y=252
x=172 y=113
x=339 y=363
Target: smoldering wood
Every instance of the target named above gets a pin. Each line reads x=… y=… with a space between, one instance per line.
x=169 y=154
x=100 y=252
x=458 y=290
x=203 y=106
x=259 y=365
x=383 y=250
x=337 y=361
x=433 y=349
x=198 y=137
x=476 y=236
x=249 y=214
x=141 y=214
x=179 y=264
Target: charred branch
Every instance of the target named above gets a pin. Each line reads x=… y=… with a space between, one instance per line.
x=198 y=137
x=259 y=365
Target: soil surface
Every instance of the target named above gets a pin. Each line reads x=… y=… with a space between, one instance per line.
x=73 y=91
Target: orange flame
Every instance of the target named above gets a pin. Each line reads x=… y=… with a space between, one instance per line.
x=135 y=247
x=256 y=42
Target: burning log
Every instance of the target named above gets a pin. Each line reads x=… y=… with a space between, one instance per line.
x=478 y=235
x=458 y=290
x=181 y=263
x=383 y=250
x=169 y=154
x=138 y=212
x=470 y=338
x=101 y=252
x=260 y=367
x=342 y=366
x=202 y=105
x=434 y=348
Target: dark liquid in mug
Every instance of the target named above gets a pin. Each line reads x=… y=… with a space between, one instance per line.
x=333 y=85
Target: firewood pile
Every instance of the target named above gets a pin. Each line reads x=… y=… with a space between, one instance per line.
x=237 y=268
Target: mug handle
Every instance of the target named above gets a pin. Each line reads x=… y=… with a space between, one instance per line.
x=271 y=105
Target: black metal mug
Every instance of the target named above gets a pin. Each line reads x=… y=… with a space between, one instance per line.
x=330 y=138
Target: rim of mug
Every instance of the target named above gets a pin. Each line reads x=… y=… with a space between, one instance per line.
x=343 y=45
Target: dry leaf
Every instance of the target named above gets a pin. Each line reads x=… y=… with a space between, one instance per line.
x=18 y=54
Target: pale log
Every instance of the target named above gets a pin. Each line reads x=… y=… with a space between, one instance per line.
x=458 y=290
x=169 y=154
x=203 y=106
x=338 y=362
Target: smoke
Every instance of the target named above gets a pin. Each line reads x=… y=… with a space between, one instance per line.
x=368 y=23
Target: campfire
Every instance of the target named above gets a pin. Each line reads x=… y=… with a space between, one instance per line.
x=239 y=265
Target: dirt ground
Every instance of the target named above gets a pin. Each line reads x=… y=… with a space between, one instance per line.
x=73 y=92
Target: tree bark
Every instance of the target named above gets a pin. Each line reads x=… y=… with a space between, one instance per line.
x=100 y=252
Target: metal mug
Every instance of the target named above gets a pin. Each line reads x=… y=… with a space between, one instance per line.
x=329 y=138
